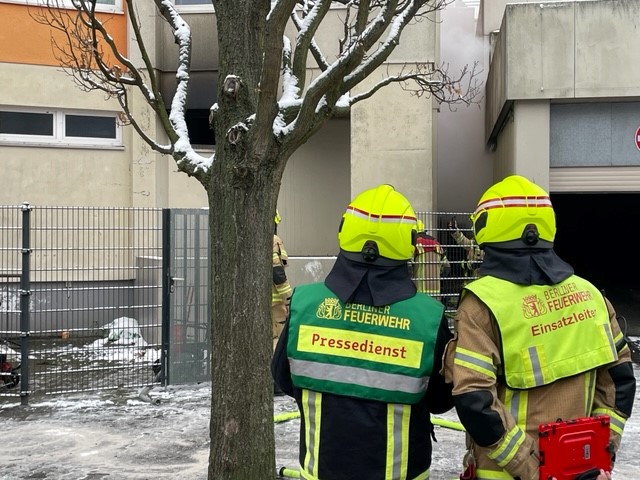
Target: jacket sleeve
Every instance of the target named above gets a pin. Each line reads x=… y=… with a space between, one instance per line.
x=439 y=398
x=461 y=239
x=616 y=385
x=473 y=362
x=280 y=281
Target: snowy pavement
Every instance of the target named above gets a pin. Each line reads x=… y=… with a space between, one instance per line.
x=115 y=435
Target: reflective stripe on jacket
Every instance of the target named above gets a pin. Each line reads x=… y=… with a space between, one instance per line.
x=395 y=456
x=537 y=324
x=376 y=353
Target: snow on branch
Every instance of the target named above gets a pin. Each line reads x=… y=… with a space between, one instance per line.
x=372 y=31
x=307 y=28
x=322 y=94
x=314 y=49
x=87 y=52
x=186 y=157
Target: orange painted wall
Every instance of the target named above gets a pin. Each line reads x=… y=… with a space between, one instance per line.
x=23 y=40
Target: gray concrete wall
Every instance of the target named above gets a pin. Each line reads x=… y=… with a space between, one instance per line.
x=565 y=50
x=531 y=155
x=393 y=134
x=83 y=308
x=315 y=191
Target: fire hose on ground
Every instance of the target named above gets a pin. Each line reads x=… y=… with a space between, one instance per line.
x=286 y=472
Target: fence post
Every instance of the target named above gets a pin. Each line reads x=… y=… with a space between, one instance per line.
x=25 y=294
x=167 y=285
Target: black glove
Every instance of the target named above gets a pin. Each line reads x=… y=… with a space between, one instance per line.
x=453 y=224
x=591 y=474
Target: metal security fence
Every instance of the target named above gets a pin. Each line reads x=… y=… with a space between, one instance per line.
x=188 y=252
x=101 y=298
x=444 y=274
x=81 y=298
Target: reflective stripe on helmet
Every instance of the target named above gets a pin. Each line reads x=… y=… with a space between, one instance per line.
x=382 y=218
x=513 y=202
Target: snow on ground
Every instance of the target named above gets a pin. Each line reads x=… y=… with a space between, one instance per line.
x=122 y=341
x=115 y=435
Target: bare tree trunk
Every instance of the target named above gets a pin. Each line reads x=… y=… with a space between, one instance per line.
x=242 y=432
x=242 y=197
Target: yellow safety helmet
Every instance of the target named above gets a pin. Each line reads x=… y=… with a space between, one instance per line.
x=379 y=223
x=277 y=218
x=514 y=213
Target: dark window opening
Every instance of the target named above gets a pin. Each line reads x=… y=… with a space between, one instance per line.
x=26 y=123
x=89 y=126
x=200 y=134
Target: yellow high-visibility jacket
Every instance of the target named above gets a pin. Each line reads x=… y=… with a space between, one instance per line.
x=501 y=422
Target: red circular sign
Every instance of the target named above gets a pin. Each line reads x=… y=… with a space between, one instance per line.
x=638 y=138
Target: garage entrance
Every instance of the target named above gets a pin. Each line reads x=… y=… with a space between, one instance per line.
x=596 y=235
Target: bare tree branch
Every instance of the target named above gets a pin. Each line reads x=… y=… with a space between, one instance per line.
x=424 y=79
x=313 y=46
x=266 y=109
x=404 y=17
x=324 y=91
x=307 y=30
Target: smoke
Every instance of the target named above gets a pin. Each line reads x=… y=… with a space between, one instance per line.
x=464 y=162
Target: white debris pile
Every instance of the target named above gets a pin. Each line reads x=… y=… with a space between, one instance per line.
x=122 y=341
x=12 y=355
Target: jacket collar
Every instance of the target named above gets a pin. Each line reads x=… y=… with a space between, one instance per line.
x=356 y=282
x=540 y=266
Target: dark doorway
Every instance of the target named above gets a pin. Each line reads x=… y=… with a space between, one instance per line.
x=596 y=235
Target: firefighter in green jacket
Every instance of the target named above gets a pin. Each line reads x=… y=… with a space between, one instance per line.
x=361 y=352
x=533 y=341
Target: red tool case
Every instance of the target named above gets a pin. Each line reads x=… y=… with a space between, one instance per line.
x=571 y=447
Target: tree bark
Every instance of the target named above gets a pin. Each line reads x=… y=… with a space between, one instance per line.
x=242 y=195
x=242 y=429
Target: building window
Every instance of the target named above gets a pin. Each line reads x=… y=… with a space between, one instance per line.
x=200 y=134
x=194 y=6
x=19 y=126
x=26 y=123
x=87 y=126
x=112 y=6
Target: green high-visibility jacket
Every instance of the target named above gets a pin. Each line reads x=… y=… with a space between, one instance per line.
x=377 y=353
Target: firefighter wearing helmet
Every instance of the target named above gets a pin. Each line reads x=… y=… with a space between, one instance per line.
x=361 y=352
x=281 y=289
x=430 y=263
x=534 y=342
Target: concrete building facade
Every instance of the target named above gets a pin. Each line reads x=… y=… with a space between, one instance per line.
x=562 y=108
x=389 y=138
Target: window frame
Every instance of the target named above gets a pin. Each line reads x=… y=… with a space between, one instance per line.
x=59 y=137
x=117 y=7
x=205 y=7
